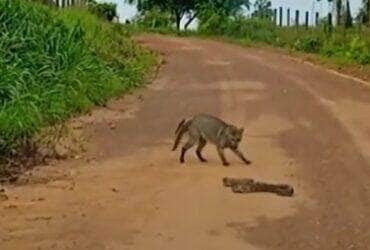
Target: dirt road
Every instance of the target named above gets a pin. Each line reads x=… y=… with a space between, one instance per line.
x=304 y=126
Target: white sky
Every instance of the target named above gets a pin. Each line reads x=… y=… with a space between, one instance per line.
x=126 y=11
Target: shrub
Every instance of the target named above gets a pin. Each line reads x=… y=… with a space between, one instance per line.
x=213 y=22
x=155 y=20
x=310 y=44
x=104 y=10
x=355 y=50
x=358 y=51
x=345 y=45
x=55 y=64
x=238 y=27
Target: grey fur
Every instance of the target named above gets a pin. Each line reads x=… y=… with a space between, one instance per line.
x=203 y=128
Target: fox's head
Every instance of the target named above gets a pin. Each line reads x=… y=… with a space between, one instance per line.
x=234 y=135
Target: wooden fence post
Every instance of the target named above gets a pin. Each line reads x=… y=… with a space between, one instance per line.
x=297 y=18
x=280 y=16
x=306 y=23
x=317 y=19
x=330 y=21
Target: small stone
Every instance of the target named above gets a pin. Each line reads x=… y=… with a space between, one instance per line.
x=72 y=172
x=4 y=197
x=13 y=179
x=351 y=246
x=76 y=157
x=45 y=152
x=39 y=218
x=78 y=126
x=10 y=206
x=112 y=125
x=61 y=152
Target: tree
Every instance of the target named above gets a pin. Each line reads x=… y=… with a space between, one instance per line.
x=191 y=8
x=263 y=9
x=364 y=14
x=367 y=8
x=221 y=10
x=338 y=9
x=104 y=10
x=230 y=7
x=177 y=8
x=348 y=22
x=365 y=11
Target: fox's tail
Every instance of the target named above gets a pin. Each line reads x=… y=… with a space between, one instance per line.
x=179 y=126
x=181 y=129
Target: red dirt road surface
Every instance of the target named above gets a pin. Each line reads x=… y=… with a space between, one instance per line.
x=305 y=126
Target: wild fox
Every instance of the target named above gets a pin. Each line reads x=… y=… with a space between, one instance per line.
x=202 y=128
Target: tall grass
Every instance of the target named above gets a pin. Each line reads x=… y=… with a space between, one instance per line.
x=239 y=27
x=345 y=46
x=56 y=63
x=342 y=46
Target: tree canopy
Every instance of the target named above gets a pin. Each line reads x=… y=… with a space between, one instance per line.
x=191 y=8
x=262 y=9
x=364 y=14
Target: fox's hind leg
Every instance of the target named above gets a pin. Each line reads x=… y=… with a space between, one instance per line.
x=201 y=144
x=190 y=143
x=193 y=139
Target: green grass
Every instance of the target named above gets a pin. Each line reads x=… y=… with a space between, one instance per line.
x=345 y=46
x=340 y=46
x=54 y=64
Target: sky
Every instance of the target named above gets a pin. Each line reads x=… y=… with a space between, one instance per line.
x=126 y=11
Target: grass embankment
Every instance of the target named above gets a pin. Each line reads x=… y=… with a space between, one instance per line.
x=345 y=48
x=54 y=64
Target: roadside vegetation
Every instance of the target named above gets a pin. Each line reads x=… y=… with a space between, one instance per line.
x=55 y=63
x=345 y=43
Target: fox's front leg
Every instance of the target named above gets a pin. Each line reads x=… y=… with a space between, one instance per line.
x=241 y=156
x=220 y=152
